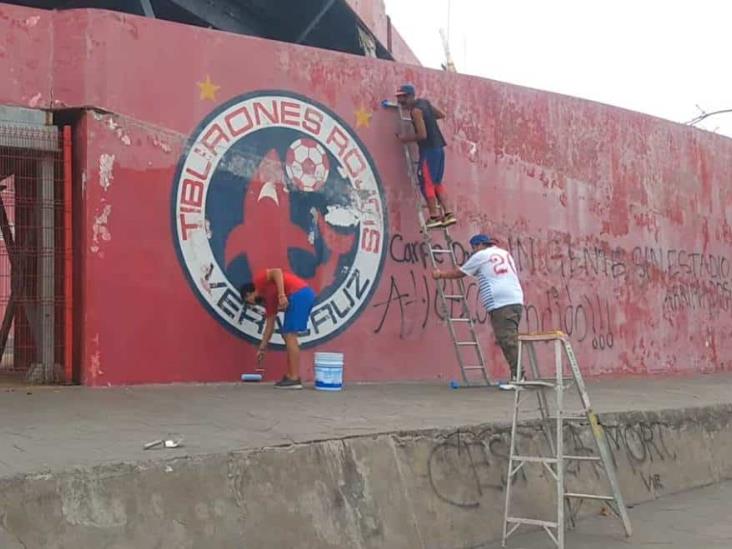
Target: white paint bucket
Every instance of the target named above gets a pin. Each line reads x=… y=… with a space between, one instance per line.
x=328 y=371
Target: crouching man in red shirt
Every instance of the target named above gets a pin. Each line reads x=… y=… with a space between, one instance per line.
x=276 y=289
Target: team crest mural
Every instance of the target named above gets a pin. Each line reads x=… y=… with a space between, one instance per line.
x=274 y=179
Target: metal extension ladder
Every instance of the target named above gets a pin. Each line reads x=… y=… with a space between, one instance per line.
x=555 y=463
x=462 y=328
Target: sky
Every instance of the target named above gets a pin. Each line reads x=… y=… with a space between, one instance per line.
x=658 y=57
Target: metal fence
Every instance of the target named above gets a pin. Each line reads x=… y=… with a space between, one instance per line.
x=35 y=253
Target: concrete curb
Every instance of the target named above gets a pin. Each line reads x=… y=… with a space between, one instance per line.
x=430 y=489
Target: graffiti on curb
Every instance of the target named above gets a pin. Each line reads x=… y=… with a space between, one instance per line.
x=465 y=465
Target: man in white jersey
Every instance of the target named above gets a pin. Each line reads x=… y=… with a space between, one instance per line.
x=499 y=291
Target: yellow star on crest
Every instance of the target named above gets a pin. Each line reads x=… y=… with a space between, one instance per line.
x=363 y=117
x=207 y=89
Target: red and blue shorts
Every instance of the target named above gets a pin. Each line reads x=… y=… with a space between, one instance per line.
x=430 y=172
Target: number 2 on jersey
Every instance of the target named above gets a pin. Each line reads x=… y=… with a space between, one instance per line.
x=499 y=263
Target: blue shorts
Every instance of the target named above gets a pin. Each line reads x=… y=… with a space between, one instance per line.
x=431 y=168
x=298 y=311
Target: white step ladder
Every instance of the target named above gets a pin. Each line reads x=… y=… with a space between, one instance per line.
x=461 y=327
x=553 y=429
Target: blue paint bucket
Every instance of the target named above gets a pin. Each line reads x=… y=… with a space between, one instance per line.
x=329 y=371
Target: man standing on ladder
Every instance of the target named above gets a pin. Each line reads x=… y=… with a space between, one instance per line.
x=431 y=145
x=500 y=292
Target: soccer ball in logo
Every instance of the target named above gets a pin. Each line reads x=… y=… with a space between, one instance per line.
x=307 y=164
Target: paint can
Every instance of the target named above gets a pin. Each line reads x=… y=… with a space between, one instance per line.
x=328 y=371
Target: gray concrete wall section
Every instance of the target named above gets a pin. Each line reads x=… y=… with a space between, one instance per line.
x=439 y=488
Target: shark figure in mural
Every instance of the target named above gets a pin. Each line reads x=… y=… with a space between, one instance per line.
x=269 y=233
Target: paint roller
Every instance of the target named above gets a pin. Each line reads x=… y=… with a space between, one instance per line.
x=251 y=377
x=255 y=377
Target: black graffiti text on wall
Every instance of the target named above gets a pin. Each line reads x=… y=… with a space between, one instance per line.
x=582 y=316
x=412 y=299
x=578 y=302
x=690 y=279
x=561 y=256
x=466 y=465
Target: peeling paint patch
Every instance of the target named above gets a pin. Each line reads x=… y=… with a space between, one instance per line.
x=283 y=58
x=100 y=230
x=35 y=100
x=32 y=21
x=205 y=278
x=96 y=365
x=106 y=165
x=342 y=217
x=118 y=131
x=160 y=144
x=95 y=359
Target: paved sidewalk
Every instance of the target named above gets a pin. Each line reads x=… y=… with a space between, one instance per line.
x=696 y=519
x=52 y=428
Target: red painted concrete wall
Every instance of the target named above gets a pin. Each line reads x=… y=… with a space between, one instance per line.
x=618 y=222
x=26 y=55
